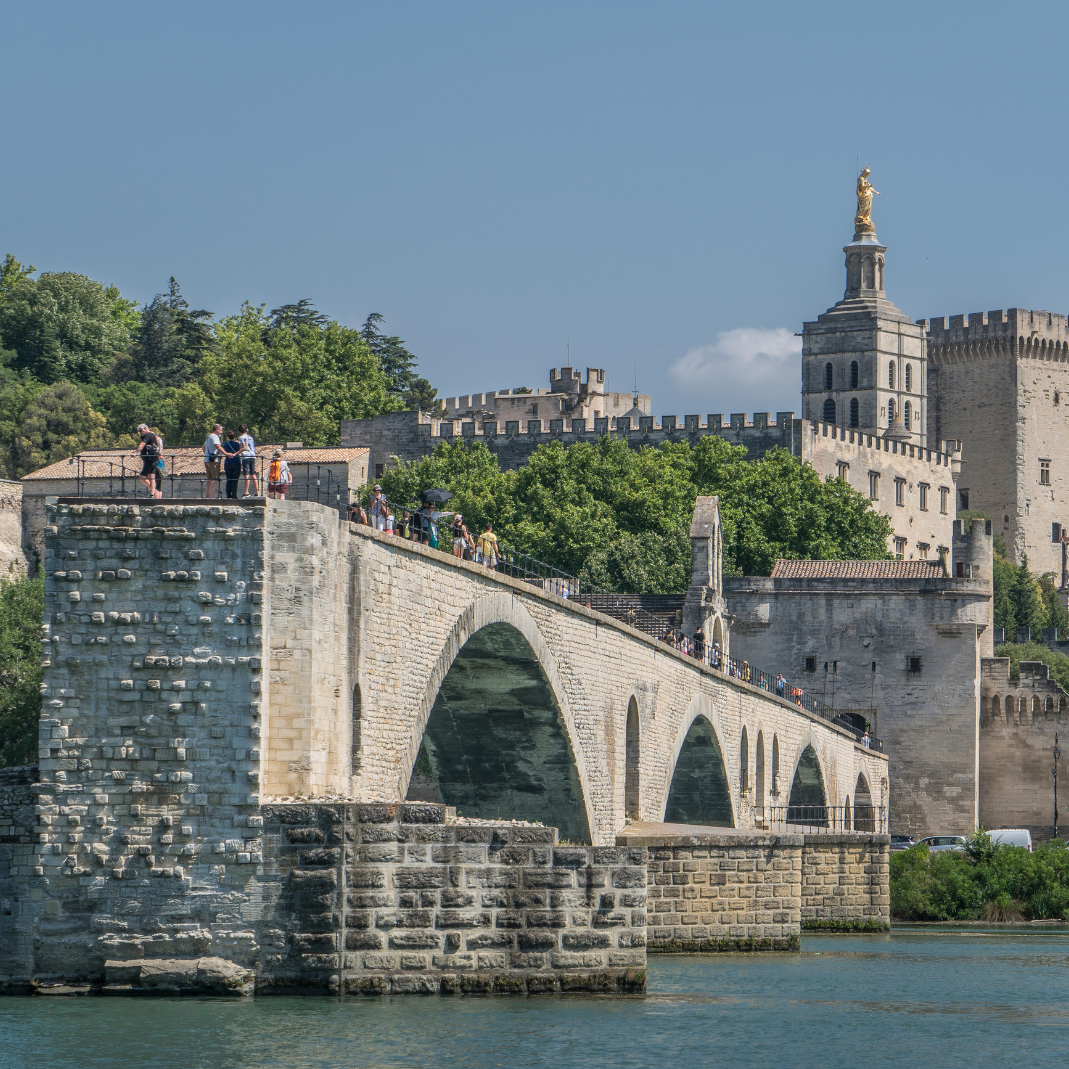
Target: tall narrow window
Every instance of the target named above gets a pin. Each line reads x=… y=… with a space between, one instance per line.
x=900 y=491
x=922 y=550
x=890 y=411
x=891 y=374
x=853 y=376
x=923 y=496
x=829 y=411
x=905 y=415
x=874 y=486
x=855 y=412
x=744 y=763
x=944 y=494
x=909 y=377
x=963 y=500
x=1044 y=472
x=841 y=469
x=828 y=376
x=900 y=548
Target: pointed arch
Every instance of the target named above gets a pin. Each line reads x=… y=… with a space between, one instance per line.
x=855 y=412
x=699 y=792
x=500 y=608
x=744 y=761
x=829 y=411
x=632 y=754
x=864 y=813
x=760 y=798
x=808 y=800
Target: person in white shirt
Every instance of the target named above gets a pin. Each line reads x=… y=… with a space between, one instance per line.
x=248 y=460
x=213 y=458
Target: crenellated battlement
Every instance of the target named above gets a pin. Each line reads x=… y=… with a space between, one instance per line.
x=999 y=334
x=947 y=454
x=1028 y=701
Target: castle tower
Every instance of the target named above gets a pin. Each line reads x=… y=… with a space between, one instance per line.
x=864 y=363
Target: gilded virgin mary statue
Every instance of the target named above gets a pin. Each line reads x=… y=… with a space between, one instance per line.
x=865 y=192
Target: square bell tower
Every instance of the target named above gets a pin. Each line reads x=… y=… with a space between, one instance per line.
x=864 y=362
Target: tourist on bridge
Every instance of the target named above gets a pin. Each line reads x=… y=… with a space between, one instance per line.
x=488 y=547
x=213 y=457
x=377 y=509
x=248 y=460
x=232 y=463
x=698 y=645
x=462 y=540
x=781 y=686
x=279 y=477
x=150 y=449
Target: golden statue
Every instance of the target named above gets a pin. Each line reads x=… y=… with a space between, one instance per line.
x=863 y=219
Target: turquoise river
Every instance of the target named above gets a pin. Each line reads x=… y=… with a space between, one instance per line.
x=936 y=998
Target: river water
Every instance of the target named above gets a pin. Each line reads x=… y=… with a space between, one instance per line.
x=940 y=999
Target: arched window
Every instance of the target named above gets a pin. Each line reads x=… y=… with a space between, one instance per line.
x=828 y=376
x=891 y=411
x=905 y=415
x=855 y=413
x=744 y=762
x=909 y=377
x=853 y=374
x=829 y=411
x=891 y=374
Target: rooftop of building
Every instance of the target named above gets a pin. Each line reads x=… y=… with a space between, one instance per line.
x=103 y=463
x=858 y=569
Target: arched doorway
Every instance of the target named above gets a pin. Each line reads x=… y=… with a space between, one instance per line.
x=495 y=744
x=864 y=814
x=807 y=803
x=699 y=793
x=631 y=762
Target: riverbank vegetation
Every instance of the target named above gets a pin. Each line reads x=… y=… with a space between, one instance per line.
x=985 y=881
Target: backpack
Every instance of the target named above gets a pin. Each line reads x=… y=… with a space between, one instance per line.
x=274 y=473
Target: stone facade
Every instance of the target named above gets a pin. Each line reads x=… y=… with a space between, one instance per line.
x=714 y=891
x=999 y=382
x=1019 y=719
x=846 y=881
x=911 y=647
x=373 y=899
x=14 y=558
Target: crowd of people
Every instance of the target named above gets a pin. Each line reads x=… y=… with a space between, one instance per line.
x=229 y=456
x=439 y=530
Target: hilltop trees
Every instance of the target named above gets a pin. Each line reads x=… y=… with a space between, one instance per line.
x=620 y=518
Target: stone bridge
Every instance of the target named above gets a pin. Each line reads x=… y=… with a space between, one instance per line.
x=206 y=664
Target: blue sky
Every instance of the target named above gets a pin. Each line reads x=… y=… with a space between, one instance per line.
x=662 y=184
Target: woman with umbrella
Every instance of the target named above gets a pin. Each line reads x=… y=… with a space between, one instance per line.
x=427 y=517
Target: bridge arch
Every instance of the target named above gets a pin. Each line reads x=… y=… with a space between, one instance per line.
x=632 y=762
x=495 y=723
x=699 y=791
x=808 y=792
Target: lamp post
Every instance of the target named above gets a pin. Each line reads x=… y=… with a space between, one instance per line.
x=1054 y=773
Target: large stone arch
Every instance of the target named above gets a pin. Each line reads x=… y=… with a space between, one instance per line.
x=496 y=617
x=700 y=710
x=805 y=798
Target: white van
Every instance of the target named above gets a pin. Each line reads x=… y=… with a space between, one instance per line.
x=1012 y=837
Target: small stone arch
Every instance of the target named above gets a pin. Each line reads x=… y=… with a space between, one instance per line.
x=984 y=707
x=891 y=375
x=864 y=812
x=1049 y=710
x=775 y=764
x=1037 y=708
x=1022 y=711
x=699 y=791
x=632 y=764
x=760 y=797
x=829 y=410
x=808 y=799
x=744 y=762
x=855 y=412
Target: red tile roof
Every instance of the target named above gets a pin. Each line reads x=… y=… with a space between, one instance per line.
x=857 y=569
x=101 y=463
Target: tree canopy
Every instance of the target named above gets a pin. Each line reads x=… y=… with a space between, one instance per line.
x=620 y=517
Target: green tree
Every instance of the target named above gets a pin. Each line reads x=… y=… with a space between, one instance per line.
x=63 y=326
x=1026 y=597
x=169 y=342
x=649 y=563
x=399 y=367
x=22 y=605
x=291 y=375
x=57 y=423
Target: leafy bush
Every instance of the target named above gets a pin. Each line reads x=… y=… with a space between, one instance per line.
x=984 y=882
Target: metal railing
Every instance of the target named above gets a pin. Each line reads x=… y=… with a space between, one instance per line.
x=862 y=818
x=312 y=481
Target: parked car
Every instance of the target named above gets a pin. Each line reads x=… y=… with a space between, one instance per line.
x=944 y=842
x=1012 y=837
x=901 y=842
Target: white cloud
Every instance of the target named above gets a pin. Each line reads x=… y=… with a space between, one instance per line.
x=745 y=370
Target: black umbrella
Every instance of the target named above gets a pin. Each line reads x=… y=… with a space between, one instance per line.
x=435 y=497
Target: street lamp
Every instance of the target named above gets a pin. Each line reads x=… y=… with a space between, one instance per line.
x=1054 y=773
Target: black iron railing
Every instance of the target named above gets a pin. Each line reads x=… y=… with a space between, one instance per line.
x=862 y=818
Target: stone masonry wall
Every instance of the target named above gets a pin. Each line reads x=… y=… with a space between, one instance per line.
x=379 y=899
x=846 y=880
x=17 y=820
x=723 y=892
